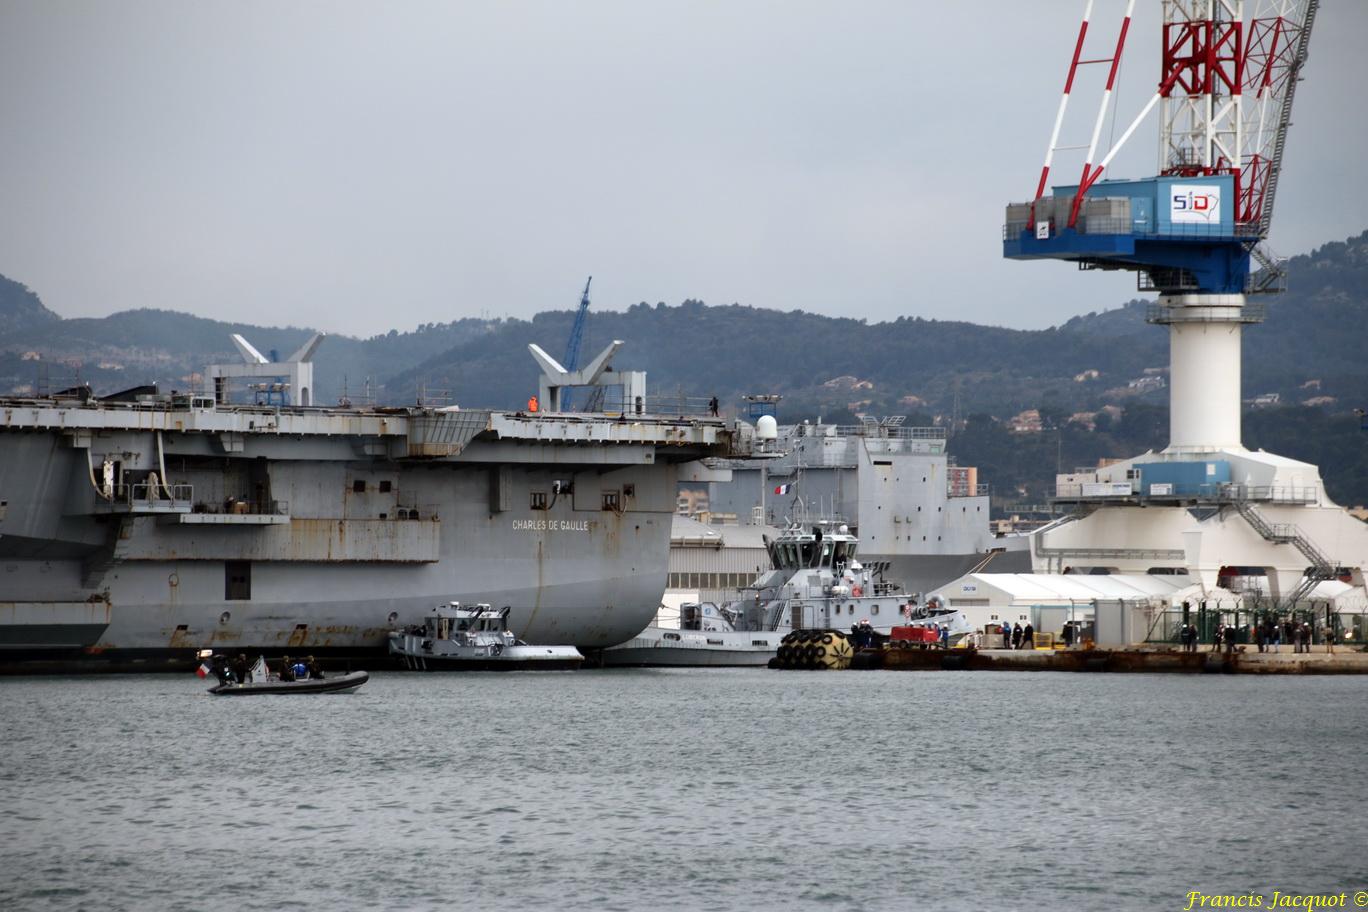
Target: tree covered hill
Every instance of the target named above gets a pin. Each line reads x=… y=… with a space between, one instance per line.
x=1310 y=347
x=147 y=345
x=20 y=308
x=1097 y=381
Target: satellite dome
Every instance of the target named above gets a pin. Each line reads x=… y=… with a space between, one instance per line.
x=766 y=428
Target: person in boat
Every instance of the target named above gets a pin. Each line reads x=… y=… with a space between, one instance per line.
x=287 y=672
x=242 y=671
x=315 y=671
x=218 y=666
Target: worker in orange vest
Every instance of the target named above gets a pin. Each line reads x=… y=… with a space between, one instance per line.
x=532 y=403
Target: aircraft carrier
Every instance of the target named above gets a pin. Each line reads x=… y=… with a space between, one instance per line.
x=136 y=529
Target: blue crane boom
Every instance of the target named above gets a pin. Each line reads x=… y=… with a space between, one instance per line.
x=572 y=348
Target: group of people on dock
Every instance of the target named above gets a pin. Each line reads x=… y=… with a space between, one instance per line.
x=1017 y=636
x=1268 y=635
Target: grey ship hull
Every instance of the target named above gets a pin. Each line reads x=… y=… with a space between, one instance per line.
x=351 y=525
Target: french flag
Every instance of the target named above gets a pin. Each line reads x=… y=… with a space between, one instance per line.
x=202 y=671
x=783 y=489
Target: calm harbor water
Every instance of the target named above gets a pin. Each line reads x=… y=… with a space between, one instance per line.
x=685 y=789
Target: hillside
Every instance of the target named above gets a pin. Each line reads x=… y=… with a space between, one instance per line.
x=20 y=308
x=1309 y=348
x=145 y=346
x=1095 y=385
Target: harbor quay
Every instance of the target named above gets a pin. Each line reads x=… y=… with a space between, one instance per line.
x=1133 y=659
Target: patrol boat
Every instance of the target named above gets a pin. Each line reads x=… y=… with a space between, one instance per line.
x=260 y=680
x=474 y=638
x=815 y=581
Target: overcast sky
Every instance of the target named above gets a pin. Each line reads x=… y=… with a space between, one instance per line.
x=362 y=166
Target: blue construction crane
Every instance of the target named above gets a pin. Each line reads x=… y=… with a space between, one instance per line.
x=572 y=348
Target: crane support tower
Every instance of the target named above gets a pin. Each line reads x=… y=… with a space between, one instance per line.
x=1189 y=232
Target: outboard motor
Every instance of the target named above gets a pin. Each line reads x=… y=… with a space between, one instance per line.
x=690 y=617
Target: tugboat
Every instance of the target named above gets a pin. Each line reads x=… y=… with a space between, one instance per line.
x=474 y=638
x=815 y=582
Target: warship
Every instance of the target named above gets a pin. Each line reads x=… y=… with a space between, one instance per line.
x=138 y=528
x=920 y=518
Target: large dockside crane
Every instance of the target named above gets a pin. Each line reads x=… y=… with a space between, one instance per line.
x=1225 y=91
x=1225 y=100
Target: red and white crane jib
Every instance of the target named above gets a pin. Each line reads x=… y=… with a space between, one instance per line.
x=1115 y=62
x=1211 y=61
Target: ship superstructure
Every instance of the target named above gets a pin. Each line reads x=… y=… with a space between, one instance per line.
x=918 y=517
x=133 y=532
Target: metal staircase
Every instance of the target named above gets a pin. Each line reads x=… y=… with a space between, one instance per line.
x=1321 y=568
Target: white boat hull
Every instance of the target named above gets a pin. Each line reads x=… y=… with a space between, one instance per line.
x=445 y=655
x=667 y=647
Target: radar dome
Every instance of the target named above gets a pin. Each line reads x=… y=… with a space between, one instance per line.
x=767 y=428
